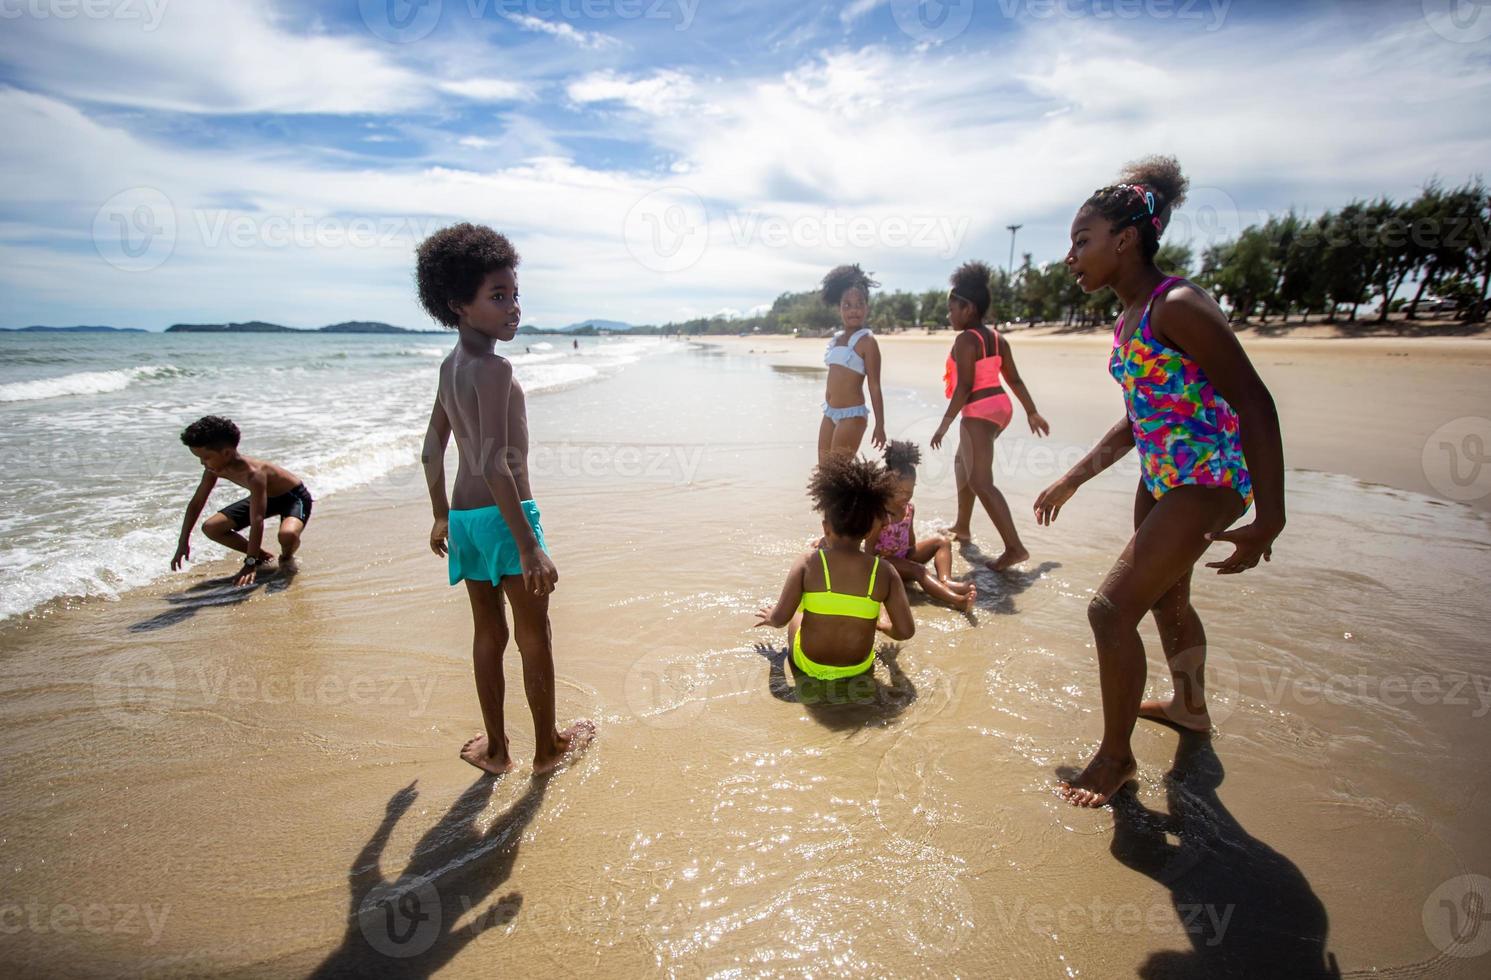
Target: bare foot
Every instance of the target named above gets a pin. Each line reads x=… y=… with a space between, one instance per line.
x=1176 y=712
x=960 y=535
x=475 y=752
x=961 y=588
x=965 y=604
x=568 y=745
x=1102 y=778
x=1008 y=560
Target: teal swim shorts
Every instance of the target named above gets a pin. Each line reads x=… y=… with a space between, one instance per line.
x=482 y=549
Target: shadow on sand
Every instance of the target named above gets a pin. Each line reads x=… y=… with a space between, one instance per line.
x=997 y=590
x=213 y=592
x=841 y=705
x=1247 y=910
x=407 y=927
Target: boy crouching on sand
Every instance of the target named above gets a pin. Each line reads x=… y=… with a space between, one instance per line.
x=273 y=492
x=489 y=531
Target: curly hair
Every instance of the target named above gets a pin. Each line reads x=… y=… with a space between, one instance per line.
x=902 y=456
x=452 y=263
x=851 y=493
x=211 y=432
x=844 y=278
x=1147 y=192
x=971 y=282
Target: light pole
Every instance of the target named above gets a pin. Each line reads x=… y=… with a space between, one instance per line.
x=1013 y=229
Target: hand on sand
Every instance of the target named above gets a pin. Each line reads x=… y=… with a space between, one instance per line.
x=1038 y=424
x=1252 y=543
x=1048 y=504
x=568 y=745
x=183 y=553
x=540 y=577
x=438 y=536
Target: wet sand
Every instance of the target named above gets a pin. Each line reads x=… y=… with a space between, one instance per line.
x=265 y=783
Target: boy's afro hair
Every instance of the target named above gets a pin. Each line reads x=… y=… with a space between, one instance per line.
x=210 y=432
x=902 y=456
x=452 y=263
x=971 y=282
x=851 y=493
x=844 y=278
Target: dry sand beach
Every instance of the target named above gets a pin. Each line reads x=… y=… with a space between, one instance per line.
x=264 y=783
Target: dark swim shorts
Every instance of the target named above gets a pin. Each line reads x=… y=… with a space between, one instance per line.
x=296 y=504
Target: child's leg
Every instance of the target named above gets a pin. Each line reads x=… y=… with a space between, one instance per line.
x=535 y=643
x=913 y=571
x=1162 y=551
x=848 y=434
x=962 y=527
x=489 y=640
x=825 y=437
x=1184 y=640
x=978 y=435
x=218 y=528
x=290 y=528
x=939 y=551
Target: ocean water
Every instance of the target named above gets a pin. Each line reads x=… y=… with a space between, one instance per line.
x=96 y=479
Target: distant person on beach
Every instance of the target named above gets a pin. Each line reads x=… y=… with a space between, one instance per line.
x=831 y=628
x=899 y=545
x=273 y=492
x=489 y=530
x=853 y=358
x=1209 y=445
x=980 y=358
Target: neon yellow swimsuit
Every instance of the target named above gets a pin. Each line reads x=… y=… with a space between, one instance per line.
x=831 y=603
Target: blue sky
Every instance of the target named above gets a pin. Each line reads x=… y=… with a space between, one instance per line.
x=209 y=160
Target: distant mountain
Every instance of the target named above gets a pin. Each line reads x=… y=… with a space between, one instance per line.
x=616 y=326
x=258 y=326
x=41 y=329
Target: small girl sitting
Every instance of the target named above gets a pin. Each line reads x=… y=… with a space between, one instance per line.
x=898 y=543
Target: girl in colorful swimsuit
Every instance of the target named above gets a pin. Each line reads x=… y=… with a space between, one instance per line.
x=853 y=358
x=899 y=545
x=974 y=367
x=838 y=595
x=1209 y=444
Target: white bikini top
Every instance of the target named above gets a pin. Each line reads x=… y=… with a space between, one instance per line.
x=844 y=354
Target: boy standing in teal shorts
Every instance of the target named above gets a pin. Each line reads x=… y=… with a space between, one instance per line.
x=489 y=530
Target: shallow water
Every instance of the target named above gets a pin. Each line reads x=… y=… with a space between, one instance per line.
x=274 y=779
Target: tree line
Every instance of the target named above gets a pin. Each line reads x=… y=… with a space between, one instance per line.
x=1329 y=266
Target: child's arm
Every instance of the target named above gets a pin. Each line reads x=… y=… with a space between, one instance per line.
x=437 y=437
x=258 y=488
x=902 y=625
x=1191 y=320
x=781 y=614
x=1112 y=447
x=963 y=357
x=193 y=511
x=1038 y=424
x=877 y=402
x=494 y=386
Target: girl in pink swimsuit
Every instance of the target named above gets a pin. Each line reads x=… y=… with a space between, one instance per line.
x=979 y=358
x=899 y=545
x=1208 y=440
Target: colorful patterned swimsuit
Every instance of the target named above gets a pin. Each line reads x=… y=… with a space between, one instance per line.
x=1185 y=431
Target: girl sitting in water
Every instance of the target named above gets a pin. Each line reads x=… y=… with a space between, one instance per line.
x=898 y=543
x=853 y=357
x=834 y=597
x=974 y=366
x=1208 y=440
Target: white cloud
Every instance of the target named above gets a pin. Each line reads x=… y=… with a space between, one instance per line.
x=661 y=93
x=565 y=32
x=489 y=90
